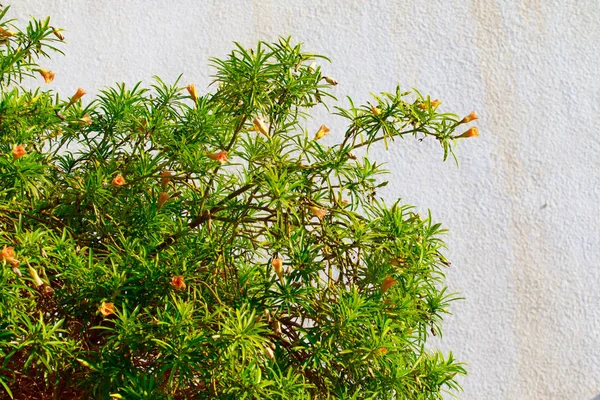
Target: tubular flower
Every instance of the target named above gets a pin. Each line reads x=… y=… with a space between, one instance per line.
x=323 y=131
x=78 y=95
x=8 y=254
x=318 y=211
x=433 y=103
x=165 y=178
x=47 y=75
x=388 y=282
x=330 y=80
x=220 y=156
x=191 y=88
x=277 y=264
x=118 y=180
x=375 y=110
x=19 y=151
x=471 y=132
x=471 y=117
x=58 y=33
x=177 y=282
x=259 y=125
x=106 y=309
x=86 y=119
x=6 y=33
x=162 y=199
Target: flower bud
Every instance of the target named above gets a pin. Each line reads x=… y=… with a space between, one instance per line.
x=471 y=132
x=34 y=275
x=6 y=33
x=19 y=151
x=375 y=110
x=47 y=75
x=277 y=264
x=220 y=156
x=177 y=282
x=323 y=131
x=86 y=119
x=259 y=124
x=318 y=212
x=118 y=180
x=162 y=199
x=330 y=80
x=312 y=67
x=58 y=33
x=191 y=88
x=388 y=282
x=165 y=178
x=432 y=103
x=468 y=118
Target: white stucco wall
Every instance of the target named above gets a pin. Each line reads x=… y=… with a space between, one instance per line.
x=522 y=208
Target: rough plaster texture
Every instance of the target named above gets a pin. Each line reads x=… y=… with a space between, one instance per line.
x=522 y=208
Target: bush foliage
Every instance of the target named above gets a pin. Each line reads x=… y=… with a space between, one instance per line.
x=157 y=243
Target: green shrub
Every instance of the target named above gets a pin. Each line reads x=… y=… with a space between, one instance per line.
x=161 y=244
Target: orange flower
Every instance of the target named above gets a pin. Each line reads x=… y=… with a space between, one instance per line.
x=78 y=95
x=47 y=75
x=106 y=309
x=277 y=264
x=19 y=151
x=330 y=80
x=162 y=199
x=259 y=125
x=433 y=103
x=118 y=180
x=58 y=34
x=6 y=33
x=318 y=211
x=375 y=110
x=177 y=282
x=86 y=119
x=165 y=178
x=191 y=88
x=323 y=131
x=7 y=253
x=471 y=117
x=382 y=351
x=471 y=132
x=220 y=156
x=388 y=282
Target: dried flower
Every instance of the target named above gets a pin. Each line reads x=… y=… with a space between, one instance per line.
x=177 y=282
x=58 y=33
x=375 y=110
x=78 y=95
x=106 y=309
x=191 y=88
x=323 y=131
x=47 y=75
x=330 y=80
x=162 y=199
x=471 y=132
x=468 y=118
x=312 y=67
x=86 y=119
x=8 y=254
x=269 y=353
x=388 y=282
x=259 y=124
x=220 y=156
x=277 y=264
x=165 y=178
x=118 y=180
x=19 y=151
x=318 y=211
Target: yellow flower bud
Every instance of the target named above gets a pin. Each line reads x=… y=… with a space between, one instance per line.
x=58 y=33
x=469 y=118
x=330 y=80
x=277 y=264
x=86 y=119
x=375 y=110
x=34 y=275
x=191 y=88
x=259 y=125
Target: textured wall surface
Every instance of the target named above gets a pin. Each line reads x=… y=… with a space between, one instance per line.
x=522 y=208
